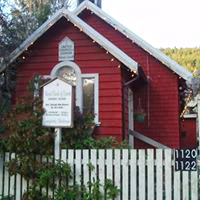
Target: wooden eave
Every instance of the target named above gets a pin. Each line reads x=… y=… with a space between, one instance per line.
x=84 y=27
x=171 y=64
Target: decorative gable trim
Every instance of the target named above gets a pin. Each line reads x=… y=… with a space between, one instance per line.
x=94 y=35
x=171 y=64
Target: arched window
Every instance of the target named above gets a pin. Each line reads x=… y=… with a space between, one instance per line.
x=87 y=86
x=71 y=72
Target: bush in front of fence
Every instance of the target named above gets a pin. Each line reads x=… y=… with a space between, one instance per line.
x=25 y=136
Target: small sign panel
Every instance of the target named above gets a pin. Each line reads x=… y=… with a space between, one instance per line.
x=57 y=104
x=66 y=50
x=185 y=159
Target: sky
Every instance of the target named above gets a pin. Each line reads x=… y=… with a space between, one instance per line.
x=162 y=23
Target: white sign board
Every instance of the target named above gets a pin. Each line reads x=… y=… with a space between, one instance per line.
x=57 y=104
x=66 y=50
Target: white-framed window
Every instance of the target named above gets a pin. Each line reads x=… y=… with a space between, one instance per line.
x=87 y=86
x=90 y=87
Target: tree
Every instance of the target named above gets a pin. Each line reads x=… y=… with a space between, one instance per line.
x=188 y=57
x=18 y=19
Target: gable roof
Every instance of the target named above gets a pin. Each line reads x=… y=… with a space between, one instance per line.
x=171 y=64
x=84 y=27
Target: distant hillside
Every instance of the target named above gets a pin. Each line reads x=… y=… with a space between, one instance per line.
x=187 y=57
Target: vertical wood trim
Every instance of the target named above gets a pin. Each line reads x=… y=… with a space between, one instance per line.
x=85 y=161
x=159 y=174
x=78 y=167
x=96 y=94
x=6 y=175
x=24 y=185
x=93 y=161
x=168 y=174
x=123 y=171
x=185 y=185
x=125 y=174
x=70 y=160
x=50 y=192
x=64 y=157
x=177 y=188
x=44 y=160
x=109 y=164
x=142 y=181
x=12 y=180
x=133 y=174
x=101 y=172
x=130 y=117
x=18 y=187
x=150 y=174
x=194 y=185
x=117 y=168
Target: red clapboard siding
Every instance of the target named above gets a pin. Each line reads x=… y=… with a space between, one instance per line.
x=108 y=131
x=110 y=85
x=91 y=58
x=110 y=115
x=110 y=93
x=188 y=133
x=159 y=97
x=110 y=100
x=111 y=123
x=108 y=77
x=109 y=107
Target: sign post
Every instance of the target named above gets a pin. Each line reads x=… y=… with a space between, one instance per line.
x=57 y=142
x=58 y=109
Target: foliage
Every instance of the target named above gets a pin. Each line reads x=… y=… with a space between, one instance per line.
x=7 y=85
x=18 y=19
x=25 y=130
x=7 y=198
x=22 y=17
x=81 y=135
x=188 y=57
x=25 y=135
x=82 y=193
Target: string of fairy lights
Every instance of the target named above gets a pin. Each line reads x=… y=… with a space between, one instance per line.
x=185 y=109
x=26 y=54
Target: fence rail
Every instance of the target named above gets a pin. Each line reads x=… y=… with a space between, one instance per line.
x=139 y=174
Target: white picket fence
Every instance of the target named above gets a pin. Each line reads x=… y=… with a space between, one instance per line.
x=139 y=174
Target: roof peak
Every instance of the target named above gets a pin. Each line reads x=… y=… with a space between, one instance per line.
x=96 y=2
x=84 y=27
x=156 y=53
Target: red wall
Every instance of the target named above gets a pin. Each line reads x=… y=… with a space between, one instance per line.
x=159 y=97
x=188 y=134
x=91 y=58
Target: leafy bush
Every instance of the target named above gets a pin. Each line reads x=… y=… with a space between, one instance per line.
x=25 y=135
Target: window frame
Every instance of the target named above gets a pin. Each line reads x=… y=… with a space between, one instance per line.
x=79 y=95
x=96 y=94
x=79 y=85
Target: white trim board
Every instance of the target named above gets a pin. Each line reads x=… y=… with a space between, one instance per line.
x=94 y=35
x=148 y=140
x=171 y=64
x=96 y=94
x=79 y=95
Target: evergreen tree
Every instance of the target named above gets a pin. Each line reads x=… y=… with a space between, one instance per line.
x=18 y=19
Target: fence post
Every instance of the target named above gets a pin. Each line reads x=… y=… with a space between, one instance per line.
x=198 y=121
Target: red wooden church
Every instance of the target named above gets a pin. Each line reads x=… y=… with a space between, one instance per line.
x=126 y=82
